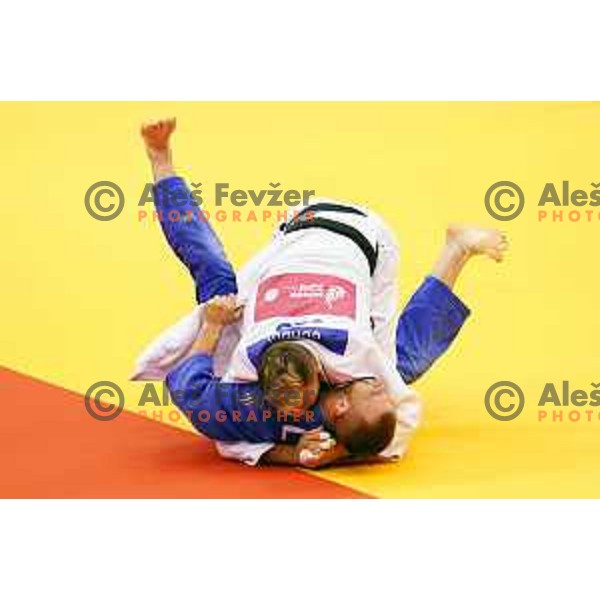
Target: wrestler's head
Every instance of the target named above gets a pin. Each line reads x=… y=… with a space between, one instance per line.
x=361 y=415
x=289 y=377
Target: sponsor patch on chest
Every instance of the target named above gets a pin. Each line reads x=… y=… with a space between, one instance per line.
x=301 y=294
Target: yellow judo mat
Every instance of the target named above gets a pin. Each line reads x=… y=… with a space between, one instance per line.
x=82 y=297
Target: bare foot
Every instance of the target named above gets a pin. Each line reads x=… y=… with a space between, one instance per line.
x=477 y=240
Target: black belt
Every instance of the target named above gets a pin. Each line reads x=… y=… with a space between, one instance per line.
x=299 y=222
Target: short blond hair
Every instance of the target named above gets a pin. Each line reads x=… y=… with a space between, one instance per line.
x=286 y=365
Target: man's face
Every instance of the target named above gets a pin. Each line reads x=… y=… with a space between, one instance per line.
x=363 y=400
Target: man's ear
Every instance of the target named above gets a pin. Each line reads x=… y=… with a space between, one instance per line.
x=341 y=406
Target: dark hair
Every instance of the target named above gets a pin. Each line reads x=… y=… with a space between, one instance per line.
x=369 y=438
x=285 y=364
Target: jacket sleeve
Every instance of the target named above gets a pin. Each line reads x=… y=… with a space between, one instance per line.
x=194 y=388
